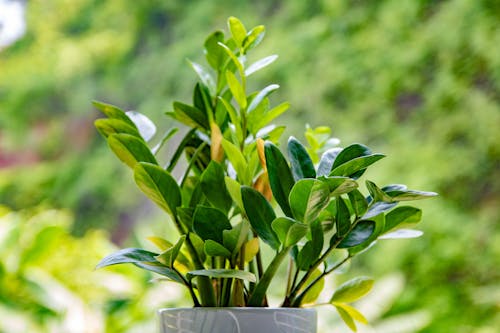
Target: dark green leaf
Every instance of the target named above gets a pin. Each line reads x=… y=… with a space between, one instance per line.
x=402 y=215
x=224 y=273
x=169 y=256
x=355 y=167
x=280 y=176
x=339 y=185
x=306 y=256
x=130 y=149
x=129 y=255
x=352 y=290
x=342 y=218
x=208 y=223
x=379 y=222
x=308 y=198
x=358 y=202
x=159 y=186
x=214 y=187
x=358 y=235
x=413 y=195
x=326 y=161
x=161 y=269
x=189 y=115
x=302 y=165
x=260 y=214
x=185 y=216
x=378 y=208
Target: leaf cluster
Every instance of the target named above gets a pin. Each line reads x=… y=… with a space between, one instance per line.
x=238 y=190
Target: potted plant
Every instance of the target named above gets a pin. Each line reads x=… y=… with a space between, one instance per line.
x=239 y=195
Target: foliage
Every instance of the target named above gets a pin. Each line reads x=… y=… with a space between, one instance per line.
x=219 y=204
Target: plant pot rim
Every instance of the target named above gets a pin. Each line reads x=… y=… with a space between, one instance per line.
x=235 y=308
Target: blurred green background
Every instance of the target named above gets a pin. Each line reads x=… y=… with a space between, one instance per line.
x=418 y=80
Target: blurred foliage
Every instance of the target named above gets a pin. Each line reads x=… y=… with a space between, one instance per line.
x=416 y=79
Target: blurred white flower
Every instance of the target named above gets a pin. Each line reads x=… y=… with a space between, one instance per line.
x=12 y=22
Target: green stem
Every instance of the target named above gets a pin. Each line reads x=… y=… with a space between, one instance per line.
x=192 y=161
x=259 y=293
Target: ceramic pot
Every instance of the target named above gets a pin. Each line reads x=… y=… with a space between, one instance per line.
x=237 y=320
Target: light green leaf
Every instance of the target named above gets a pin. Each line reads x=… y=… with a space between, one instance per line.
x=109 y=126
x=189 y=115
x=237 y=29
x=223 y=273
x=401 y=234
x=214 y=53
x=214 y=249
x=254 y=37
x=346 y=317
x=261 y=95
x=308 y=198
x=355 y=314
x=260 y=64
x=404 y=215
x=234 y=189
x=314 y=292
x=130 y=149
x=159 y=186
x=233 y=115
x=352 y=290
x=236 y=89
x=238 y=161
x=113 y=112
x=289 y=231
x=270 y=115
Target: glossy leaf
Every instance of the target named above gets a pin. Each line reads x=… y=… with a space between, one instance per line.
x=342 y=217
x=169 y=256
x=260 y=96
x=208 y=223
x=307 y=198
x=355 y=314
x=223 y=273
x=251 y=249
x=113 y=112
x=358 y=202
x=238 y=161
x=270 y=115
x=260 y=64
x=339 y=185
x=254 y=37
x=189 y=115
x=352 y=290
x=314 y=292
x=326 y=161
x=161 y=269
x=378 y=208
x=234 y=190
x=346 y=317
x=280 y=176
x=205 y=77
x=401 y=234
x=213 y=186
x=289 y=231
x=260 y=214
x=236 y=89
x=146 y=127
x=212 y=248
x=109 y=126
x=161 y=243
x=130 y=149
x=214 y=53
x=129 y=255
x=235 y=120
x=378 y=222
x=302 y=165
x=358 y=235
x=158 y=185
x=353 y=167
x=404 y=215
x=306 y=256
x=413 y=195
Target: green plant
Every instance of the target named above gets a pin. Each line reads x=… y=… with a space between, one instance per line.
x=238 y=191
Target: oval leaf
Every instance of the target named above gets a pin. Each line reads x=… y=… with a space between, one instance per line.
x=302 y=165
x=208 y=223
x=308 y=198
x=404 y=215
x=352 y=290
x=289 y=231
x=146 y=127
x=130 y=149
x=358 y=235
x=213 y=186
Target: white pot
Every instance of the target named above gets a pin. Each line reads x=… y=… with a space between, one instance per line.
x=237 y=320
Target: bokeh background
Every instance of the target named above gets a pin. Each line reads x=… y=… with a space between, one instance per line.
x=416 y=79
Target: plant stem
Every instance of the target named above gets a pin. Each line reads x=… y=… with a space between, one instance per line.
x=259 y=293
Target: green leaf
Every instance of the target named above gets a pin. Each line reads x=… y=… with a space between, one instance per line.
x=205 y=77
x=280 y=176
x=314 y=292
x=185 y=216
x=233 y=115
x=236 y=89
x=261 y=95
x=109 y=126
x=214 y=187
x=339 y=185
x=270 y=115
x=233 y=239
x=306 y=256
x=215 y=55
x=169 y=256
x=208 y=223
x=130 y=149
x=353 y=313
x=161 y=269
x=376 y=193
x=223 y=273
x=353 y=160
x=129 y=255
x=361 y=233
x=413 y=195
x=405 y=215
x=308 y=198
x=147 y=129
x=326 y=161
x=402 y=234
x=342 y=217
x=198 y=245
x=378 y=208
x=358 y=202
x=352 y=290
x=237 y=29
x=346 y=317
x=289 y=231
x=189 y=115
x=234 y=189
x=302 y=165
x=254 y=37
x=260 y=214
x=159 y=186
x=379 y=221
x=238 y=161
x=113 y=112
x=260 y=64
x=234 y=59
x=212 y=248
